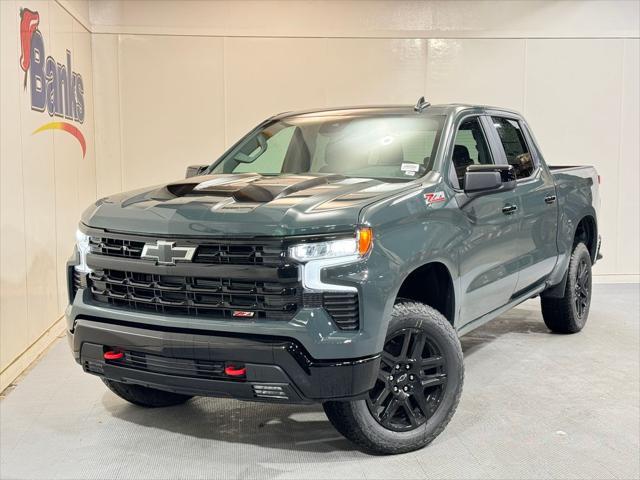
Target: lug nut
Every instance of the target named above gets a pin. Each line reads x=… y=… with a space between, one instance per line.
x=407 y=367
x=395 y=389
x=397 y=367
x=411 y=377
x=406 y=389
x=391 y=378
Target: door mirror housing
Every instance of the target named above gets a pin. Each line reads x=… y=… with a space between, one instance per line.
x=485 y=179
x=195 y=170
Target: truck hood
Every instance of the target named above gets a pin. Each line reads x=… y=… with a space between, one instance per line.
x=241 y=205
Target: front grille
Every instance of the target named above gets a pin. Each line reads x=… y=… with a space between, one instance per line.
x=208 y=251
x=343 y=308
x=194 y=296
x=270 y=290
x=171 y=366
x=249 y=278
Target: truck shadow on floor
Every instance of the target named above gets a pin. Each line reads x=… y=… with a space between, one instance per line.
x=525 y=320
x=288 y=427
x=266 y=425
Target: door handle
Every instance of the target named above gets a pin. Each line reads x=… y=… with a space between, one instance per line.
x=550 y=199
x=509 y=209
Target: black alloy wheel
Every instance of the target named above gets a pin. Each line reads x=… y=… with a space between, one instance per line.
x=583 y=288
x=411 y=381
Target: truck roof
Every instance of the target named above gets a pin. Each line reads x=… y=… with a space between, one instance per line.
x=380 y=110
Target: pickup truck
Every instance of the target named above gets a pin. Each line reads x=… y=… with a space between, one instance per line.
x=334 y=256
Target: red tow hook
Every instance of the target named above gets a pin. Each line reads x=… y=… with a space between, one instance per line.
x=234 y=371
x=113 y=355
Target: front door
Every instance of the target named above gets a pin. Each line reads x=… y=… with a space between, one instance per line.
x=488 y=254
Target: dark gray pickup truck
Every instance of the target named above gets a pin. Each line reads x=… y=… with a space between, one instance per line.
x=334 y=256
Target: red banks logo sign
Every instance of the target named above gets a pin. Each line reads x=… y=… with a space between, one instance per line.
x=53 y=86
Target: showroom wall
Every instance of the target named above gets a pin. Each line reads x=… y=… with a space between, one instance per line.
x=173 y=83
x=46 y=180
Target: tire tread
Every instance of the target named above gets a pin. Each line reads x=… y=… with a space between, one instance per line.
x=558 y=313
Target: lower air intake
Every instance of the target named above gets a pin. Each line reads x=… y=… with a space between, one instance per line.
x=269 y=391
x=343 y=308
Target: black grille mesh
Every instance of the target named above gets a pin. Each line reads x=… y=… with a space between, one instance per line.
x=239 y=254
x=116 y=247
x=193 y=296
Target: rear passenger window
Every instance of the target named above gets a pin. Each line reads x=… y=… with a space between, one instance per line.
x=470 y=148
x=515 y=146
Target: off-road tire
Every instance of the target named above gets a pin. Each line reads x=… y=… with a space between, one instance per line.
x=145 y=396
x=564 y=315
x=355 y=420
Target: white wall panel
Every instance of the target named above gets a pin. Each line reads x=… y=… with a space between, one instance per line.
x=86 y=168
x=478 y=71
x=628 y=181
x=79 y=10
x=374 y=71
x=66 y=159
x=106 y=91
x=40 y=202
x=357 y=18
x=172 y=105
x=264 y=76
x=13 y=275
x=572 y=102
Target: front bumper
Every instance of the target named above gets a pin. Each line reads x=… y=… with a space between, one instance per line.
x=277 y=369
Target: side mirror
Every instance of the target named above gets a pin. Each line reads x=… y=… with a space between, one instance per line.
x=195 y=170
x=489 y=179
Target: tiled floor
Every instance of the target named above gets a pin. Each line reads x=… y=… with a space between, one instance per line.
x=535 y=405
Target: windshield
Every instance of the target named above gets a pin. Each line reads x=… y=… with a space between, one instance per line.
x=384 y=147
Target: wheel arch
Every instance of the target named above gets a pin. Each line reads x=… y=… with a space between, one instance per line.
x=586 y=231
x=432 y=284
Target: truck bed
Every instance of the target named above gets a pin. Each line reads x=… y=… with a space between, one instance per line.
x=555 y=168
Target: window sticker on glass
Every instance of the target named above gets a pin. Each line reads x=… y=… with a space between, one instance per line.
x=410 y=168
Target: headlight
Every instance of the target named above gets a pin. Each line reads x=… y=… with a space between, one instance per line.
x=359 y=245
x=82 y=244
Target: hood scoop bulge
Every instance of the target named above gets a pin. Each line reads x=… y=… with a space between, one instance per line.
x=248 y=188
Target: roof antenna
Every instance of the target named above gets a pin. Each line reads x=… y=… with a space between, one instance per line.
x=421 y=105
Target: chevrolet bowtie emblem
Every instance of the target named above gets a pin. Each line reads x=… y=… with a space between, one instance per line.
x=166 y=253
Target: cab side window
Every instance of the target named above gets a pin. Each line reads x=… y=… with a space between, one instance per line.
x=470 y=148
x=515 y=146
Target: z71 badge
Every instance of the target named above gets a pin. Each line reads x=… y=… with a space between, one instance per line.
x=434 y=197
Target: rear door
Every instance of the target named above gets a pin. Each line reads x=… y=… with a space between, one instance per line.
x=488 y=252
x=537 y=201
